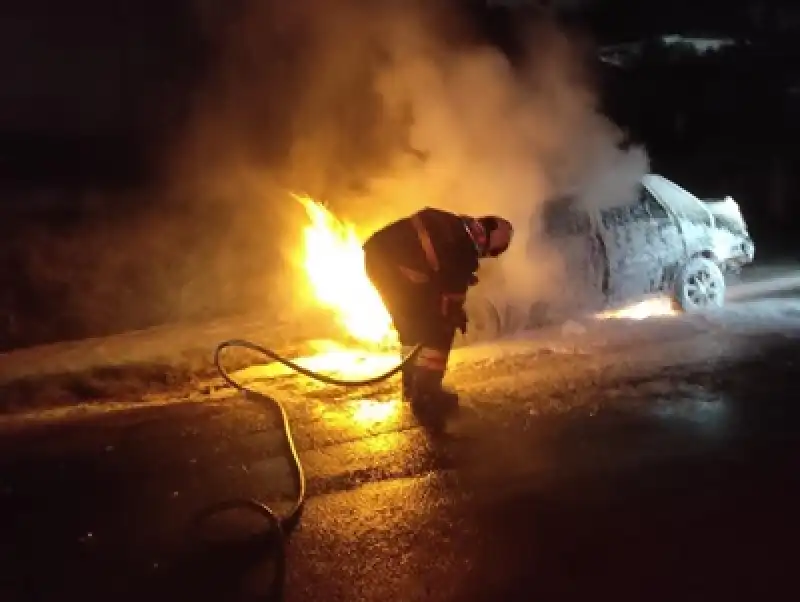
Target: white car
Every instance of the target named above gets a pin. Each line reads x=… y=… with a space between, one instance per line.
x=665 y=240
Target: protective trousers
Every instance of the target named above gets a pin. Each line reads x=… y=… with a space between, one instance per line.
x=415 y=306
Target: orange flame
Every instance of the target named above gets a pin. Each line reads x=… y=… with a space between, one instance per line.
x=334 y=264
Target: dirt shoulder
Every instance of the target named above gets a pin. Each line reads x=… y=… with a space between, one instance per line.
x=137 y=366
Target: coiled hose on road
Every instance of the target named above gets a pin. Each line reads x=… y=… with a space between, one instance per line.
x=283 y=525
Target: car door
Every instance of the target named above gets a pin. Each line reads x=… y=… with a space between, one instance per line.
x=639 y=239
x=664 y=241
x=570 y=233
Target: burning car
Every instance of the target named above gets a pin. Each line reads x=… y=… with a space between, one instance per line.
x=663 y=241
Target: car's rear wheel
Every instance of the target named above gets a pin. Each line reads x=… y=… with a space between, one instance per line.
x=700 y=286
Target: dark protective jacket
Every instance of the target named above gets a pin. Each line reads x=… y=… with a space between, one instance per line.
x=430 y=246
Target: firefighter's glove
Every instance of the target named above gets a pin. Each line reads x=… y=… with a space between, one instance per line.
x=453 y=312
x=462 y=322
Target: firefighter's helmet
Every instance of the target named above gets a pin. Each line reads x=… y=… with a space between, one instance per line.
x=490 y=234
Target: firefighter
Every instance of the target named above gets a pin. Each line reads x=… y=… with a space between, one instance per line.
x=422 y=266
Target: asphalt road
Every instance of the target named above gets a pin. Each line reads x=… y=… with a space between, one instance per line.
x=662 y=464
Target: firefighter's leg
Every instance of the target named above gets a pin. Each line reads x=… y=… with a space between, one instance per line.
x=398 y=295
x=428 y=393
x=408 y=372
x=410 y=335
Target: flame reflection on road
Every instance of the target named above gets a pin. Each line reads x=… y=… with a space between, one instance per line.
x=348 y=364
x=371 y=412
x=649 y=308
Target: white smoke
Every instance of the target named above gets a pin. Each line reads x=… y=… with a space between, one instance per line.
x=399 y=105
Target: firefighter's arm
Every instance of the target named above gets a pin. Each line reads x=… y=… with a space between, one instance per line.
x=453 y=273
x=458 y=274
x=454 y=311
x=453 y=296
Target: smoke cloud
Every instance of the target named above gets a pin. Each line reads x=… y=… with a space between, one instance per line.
x=383 y=108
x=379 y=109
x=503 y=140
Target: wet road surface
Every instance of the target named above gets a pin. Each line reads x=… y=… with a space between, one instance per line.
x=654 y=465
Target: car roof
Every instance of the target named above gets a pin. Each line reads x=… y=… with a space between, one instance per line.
x=664 y=187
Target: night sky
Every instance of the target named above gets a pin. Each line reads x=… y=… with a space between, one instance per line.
x=87 y=66
x=96 y=67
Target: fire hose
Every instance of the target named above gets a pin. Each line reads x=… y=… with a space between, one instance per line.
x=282 y=526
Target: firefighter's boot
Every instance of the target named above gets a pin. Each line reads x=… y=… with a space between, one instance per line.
x=408 y=382
x=407 y=374
x=430 y=401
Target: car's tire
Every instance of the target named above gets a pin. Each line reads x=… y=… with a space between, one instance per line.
x=485 y=322
x=700 y=286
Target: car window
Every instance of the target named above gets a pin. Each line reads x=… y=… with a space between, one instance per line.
x=684 y=205
x=651 y=204
x=563 y=218
x=638 y=209
x=621 y=215
x=644 y=207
